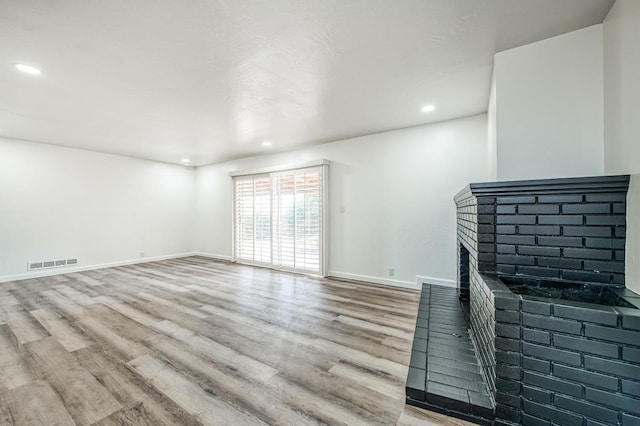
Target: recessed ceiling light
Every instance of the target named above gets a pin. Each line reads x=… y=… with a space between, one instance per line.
x=28 y=69
x=428 y=108
x=185 y=161
x=266 y=143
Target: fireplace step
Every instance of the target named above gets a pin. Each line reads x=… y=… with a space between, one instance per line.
x=444 y=373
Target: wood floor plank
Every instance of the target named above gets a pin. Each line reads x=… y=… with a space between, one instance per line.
x=188 y=395
x=85 y=398
x=25 y=327
x=195 y=341
x=14 y=369
x=141 y=406
x=59 y=328
x=37 y=404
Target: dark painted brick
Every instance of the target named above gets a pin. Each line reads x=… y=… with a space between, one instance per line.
x=616 y=368
x=560 y=263
x=557 y=355
x=512 y=387
x=421 y=333
x=560 y=220
x=486 y=219
x=536 y=336
x=540 y=307
x=620 y=232
x=587 y=208
x=416 y=379
x=516 y=239
x=552 y=384
x=625 y=403
x=555 y=324
x=506 y=399
x=561 y=198
x=418 y=359
x=539 y=251
x=506 y=248
x=612 y=334
x=505 y=229
x=506 y=269
x=539 y=229
x=528 y=420
x=586 y=276
x=486 y=247
x=508 y=413
x=586 y=408
x=607 y=243
x=631 y=320
x=587 y=253
x=486 y=257
x=591 y=422
x=631 y=354
x=607 y=197
x=486 y=238
x=587 y=231
x=515 y=219
x=585 y=345
x=620 y=208
x=595 y=265
x=511 y=358
x=586 y=377
x=630 y=420
x=490 y=209
x=587 y=312
x=536 y=365
x=505 y=344
x=539 y=272
x=486 y=229
x=535 y=394
x=516 y=200
x=631 y=387
x=606 y=220
x=509 y=331
x=515 y=260
x=485 y=200
x=539 y=209
x=506 y=300
x=560 y=241
x=511 y=317
x=619 y=255
x=420 y=345
x=506 y=209
x=511 y=372
x=552 y=414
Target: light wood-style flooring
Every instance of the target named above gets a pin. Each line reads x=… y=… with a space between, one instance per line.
x=194 y=341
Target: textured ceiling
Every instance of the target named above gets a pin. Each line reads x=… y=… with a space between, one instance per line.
x=211 y=79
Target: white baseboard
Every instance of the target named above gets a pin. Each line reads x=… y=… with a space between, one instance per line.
x=376 y=280
x=81 y=268
x=212 y=256
x=435 y=281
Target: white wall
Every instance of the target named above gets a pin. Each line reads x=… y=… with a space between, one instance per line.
x=622 y=116
x=396 y=187
x=492 y=130
x=549 y=107
x=58 y=203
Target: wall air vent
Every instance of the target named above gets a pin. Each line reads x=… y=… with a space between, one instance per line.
x=48 y=264
x=34 y=265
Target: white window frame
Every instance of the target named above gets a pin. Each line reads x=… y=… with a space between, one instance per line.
x=324 y=231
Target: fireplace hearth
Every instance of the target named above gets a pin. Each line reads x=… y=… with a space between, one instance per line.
x=555 y=331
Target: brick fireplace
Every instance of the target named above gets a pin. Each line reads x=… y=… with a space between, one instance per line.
x=555 y=331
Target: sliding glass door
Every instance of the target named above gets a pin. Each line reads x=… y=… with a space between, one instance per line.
x=278 y=219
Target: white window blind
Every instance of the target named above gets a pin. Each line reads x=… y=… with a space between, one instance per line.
x=279 y=219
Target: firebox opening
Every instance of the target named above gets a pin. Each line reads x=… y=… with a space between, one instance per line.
x=463 y=273
x=577 y=292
